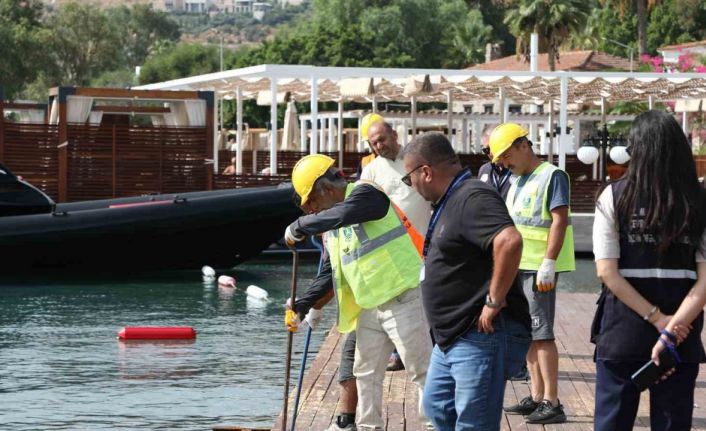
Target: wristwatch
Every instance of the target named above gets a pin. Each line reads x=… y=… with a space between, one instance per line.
x=489 y=302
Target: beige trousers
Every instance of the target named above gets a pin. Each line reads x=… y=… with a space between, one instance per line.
x=398 y=323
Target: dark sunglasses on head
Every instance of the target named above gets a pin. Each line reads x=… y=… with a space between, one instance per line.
x=407 y=178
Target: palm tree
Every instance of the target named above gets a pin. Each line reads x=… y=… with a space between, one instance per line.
x=470 y=37
x=553 y=20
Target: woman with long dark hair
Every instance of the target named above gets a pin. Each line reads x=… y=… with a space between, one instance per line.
x=650 y=249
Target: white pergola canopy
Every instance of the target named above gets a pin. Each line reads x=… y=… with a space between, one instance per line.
x=360 y=84
x=373 y=85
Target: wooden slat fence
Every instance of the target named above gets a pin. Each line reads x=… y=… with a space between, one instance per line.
x=116 y=160
x=30 y=151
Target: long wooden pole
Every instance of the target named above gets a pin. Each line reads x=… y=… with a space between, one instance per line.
x=290 y=337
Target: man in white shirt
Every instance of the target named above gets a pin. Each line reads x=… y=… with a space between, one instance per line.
x=387 y=171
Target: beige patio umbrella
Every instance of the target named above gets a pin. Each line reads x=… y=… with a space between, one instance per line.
x=290 y=132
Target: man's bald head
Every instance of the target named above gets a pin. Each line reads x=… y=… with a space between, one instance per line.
x=383 y=139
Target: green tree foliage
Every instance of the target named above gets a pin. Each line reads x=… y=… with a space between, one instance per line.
x=493 y=15
x=20 y=43
x=121 y=78
x=393 y=33
x=82 y=44
x=141 y=29
x=181 y=61
x=611 y=26
x=675 y=21
x=640 y=9
x=553 y=20
x=669 y=22
x=471 y=36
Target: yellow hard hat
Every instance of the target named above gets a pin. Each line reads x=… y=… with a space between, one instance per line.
x=502 y=138
x=368 y=121
x=307 y=170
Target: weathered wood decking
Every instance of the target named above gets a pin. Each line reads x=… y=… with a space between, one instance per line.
x=320 y=391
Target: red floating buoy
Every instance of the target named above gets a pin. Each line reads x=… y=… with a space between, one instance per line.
x=157 y=333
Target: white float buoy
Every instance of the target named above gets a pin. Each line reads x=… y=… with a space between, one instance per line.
x=257 y=293
x=207 y=272
x=255 y=304
x=226 y=281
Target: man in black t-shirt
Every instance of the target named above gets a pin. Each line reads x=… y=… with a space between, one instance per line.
x=477 y=312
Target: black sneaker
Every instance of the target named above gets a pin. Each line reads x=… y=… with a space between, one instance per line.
x=526 y=406
x=547 y=414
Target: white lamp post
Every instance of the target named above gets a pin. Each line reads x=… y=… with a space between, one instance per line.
x=589 y=151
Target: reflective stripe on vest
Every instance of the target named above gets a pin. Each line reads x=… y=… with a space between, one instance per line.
x=659 y=273
x=528 y=209
x=372 y=263
x=368 y=246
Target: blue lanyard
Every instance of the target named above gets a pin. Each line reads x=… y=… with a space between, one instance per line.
x=439 y=208
x=505 y=177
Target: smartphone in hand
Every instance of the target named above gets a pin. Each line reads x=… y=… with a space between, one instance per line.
x=651 y=372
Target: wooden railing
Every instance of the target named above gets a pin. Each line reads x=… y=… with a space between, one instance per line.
x=254 y=162
x=248 y=180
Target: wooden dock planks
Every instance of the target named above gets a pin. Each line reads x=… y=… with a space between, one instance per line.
x=576 y=382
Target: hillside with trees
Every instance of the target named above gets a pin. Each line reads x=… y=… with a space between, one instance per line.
x=80 y=44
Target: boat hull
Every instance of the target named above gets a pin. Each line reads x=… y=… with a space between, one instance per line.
x=219 y=228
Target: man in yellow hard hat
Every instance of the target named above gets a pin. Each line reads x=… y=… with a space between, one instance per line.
x=538 y=202
x=365 y=124
x=373 y=262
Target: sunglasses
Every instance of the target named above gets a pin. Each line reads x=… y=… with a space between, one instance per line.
x=486 y=151
x=407 y=178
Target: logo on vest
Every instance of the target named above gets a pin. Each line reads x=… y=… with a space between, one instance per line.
x=348 y=233
x=526 y=201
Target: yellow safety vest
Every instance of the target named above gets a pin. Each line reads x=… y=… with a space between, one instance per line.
x=372 y=263
x=532 y=218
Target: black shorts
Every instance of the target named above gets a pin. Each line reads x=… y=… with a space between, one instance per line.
x=345 y=368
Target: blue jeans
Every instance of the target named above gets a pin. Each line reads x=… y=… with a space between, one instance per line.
x=466 y=383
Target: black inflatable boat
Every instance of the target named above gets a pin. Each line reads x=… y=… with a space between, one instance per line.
x=218 y=228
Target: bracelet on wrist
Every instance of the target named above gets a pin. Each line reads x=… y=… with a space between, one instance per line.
x=651 y=313
x=669 y=335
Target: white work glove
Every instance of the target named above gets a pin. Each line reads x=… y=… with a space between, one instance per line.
x=546 y=275
x=313 y=317
x=290 y=238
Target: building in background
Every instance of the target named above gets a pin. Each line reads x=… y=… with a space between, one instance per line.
x=260 y=9
x=671 y=53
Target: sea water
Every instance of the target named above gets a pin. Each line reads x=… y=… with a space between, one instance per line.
x=61 y=366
